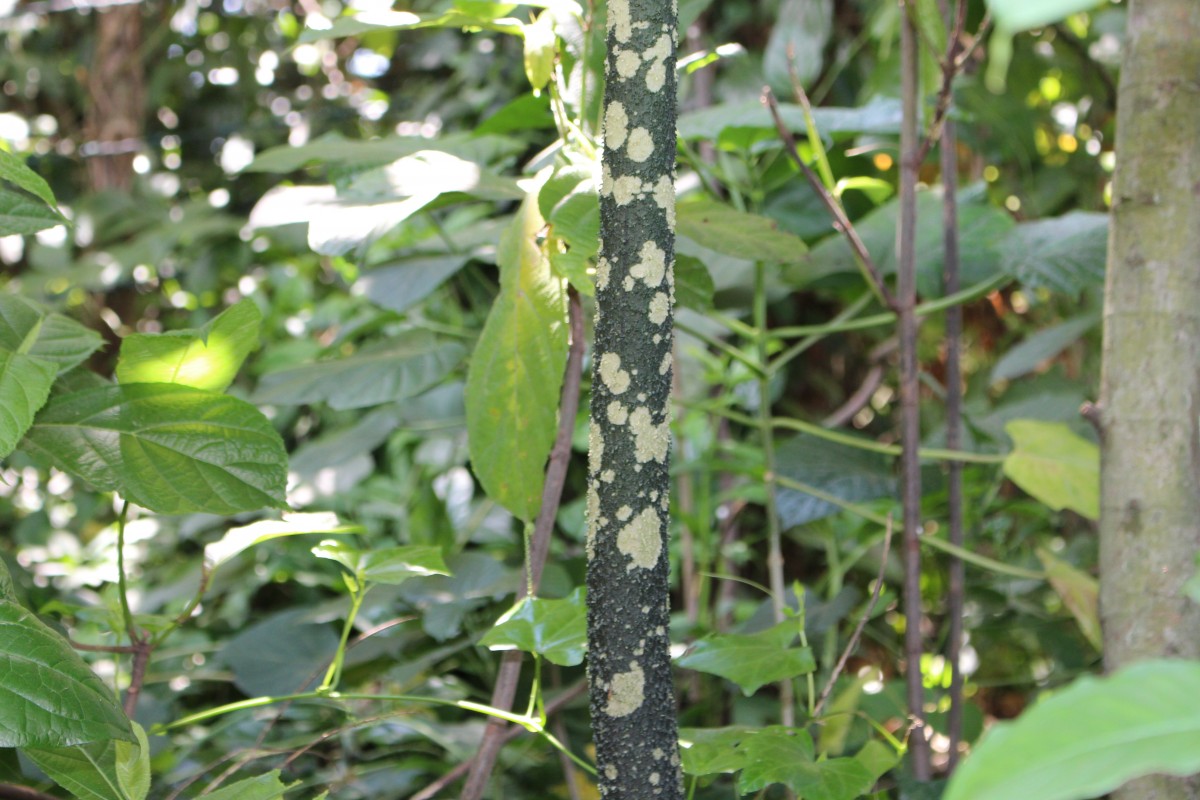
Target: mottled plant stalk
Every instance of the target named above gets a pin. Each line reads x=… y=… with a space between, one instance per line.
x=1149 y=414
x=629 y=665
x=910 y=412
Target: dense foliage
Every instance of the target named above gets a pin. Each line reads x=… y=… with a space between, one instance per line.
x=276 y=420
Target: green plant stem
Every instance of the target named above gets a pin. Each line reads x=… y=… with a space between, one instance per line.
x=723 y=346
x=122 y=585
x=798 y=349
x=334 y=673
x=930 y=541
x=850 y=440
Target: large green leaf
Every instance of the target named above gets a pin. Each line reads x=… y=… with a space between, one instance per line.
x=751 y=660
x=381 y=373
x=516 y=371
x=705 y=751
x=27 y=328
x=1055 y=465
x=49 y=697
x=1045 y=344
x=260 y=787
x=334 y=151
x=879 y=116
x=1066 y=254
x=107 y=770
x=736 y=233
x=391 y=565
x=25 y=383
x=400 y=285
x=1091 y=737
x=284 y=653
x=172 y=449
x=1021 y=15
x=203 y=358
x=775 y=755
x=849 y=473
x=796 y=47
x=555 y=629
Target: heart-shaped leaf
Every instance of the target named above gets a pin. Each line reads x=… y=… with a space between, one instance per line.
x=554 y=629
x=172 y=449
x=751 y=660
x=1055 y=465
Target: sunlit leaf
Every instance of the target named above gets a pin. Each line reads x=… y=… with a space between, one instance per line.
x=539 y=50
x=260 y=787
x=1090 y=738
x=555 y=629
x=25 y=383
x=705 y=751
x=1055 y=465
x=203 y=358
x=22 y=214
x=236 y=540
x=516 y=370
x=170 y=448
x=27 y=328
x=1021 y=15
x=1080 y=593
x=725 y=229
x=14 y=170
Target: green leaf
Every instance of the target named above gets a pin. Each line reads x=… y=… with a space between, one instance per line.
x=14 y=170
x=1045 y=344
x=133 y=765
x=54 y=337
x=1055 y=465
x=540 y=42
x=555 y=629
x=394 y=565
x=49 y=697
x=1091 y=737
x=204 y=358
x=516 y=371
x=260 y=787
x=849 y=473
x=751 y=660
x=89 y=772
x=796 y=47
x=237 y=540
x=736 y=233
x=400 y=285
x=773 y=756
x=282 y=654
x=172 y=449
x=25 y=383
x=693 y=285
x=1066 y=254
x=1080 y=593
x=337 y=152
x=881 y=115
x=1021 y=15
x=705 y=751
x=23 y=215
x=401 y=367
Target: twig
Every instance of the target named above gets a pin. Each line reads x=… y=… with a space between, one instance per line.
x=910 y=415
x=951 y=66
x=511 y=732
x=840 y=220
x=862 y=621
x=10 y=791
x=505 y=689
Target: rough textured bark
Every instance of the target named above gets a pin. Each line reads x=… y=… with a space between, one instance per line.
x=1149 y=412
x=115 y=89
x=629 y=666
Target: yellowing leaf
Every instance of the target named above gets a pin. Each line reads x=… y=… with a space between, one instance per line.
x=1055 y=465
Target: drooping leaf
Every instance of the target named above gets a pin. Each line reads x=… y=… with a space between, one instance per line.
x=797 y=43
x=49 y=697
x=850 y=473
x=27 y=328
x=554 y=629
x=391 y=370
x=21 y=214
x=25 y=383
x=133 y=765
x=1043 y=345
x=1021 y=15
x=751 y=660
x=516 y=370
x=14 y=170
x=1080 y=593
x=1055 y=465
x=400 y=285
x=737 y=233
x=260 y=787
x=1065 y=254
x=1091 y=737
x=242 y=538
x=539 y=50
x=172 y=449
x=204 y=358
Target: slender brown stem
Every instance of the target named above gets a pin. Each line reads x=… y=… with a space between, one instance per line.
x=10 y=791
x=505 y=689
x=840 y=220
x=862 y=621
x=103 y=648
x=143 y=648
x=910 y=425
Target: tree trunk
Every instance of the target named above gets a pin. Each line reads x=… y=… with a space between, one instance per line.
x=629 y=665
x=1149 y=413
x=115 y=89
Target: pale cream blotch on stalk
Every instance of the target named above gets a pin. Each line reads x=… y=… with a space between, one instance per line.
x=627 y=692
x=641 y=540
